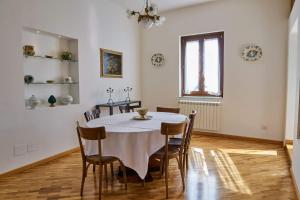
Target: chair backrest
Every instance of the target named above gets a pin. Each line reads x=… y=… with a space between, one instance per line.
x=170 y=110
x=170 y=129
x=173 y=128
x=94 y=113
x=90 y=134
x=189 y=132
x=126 y=109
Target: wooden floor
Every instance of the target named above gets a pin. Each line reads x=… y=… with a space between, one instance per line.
x=219 y=169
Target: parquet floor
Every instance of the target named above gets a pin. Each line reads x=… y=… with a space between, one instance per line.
x=219 y=169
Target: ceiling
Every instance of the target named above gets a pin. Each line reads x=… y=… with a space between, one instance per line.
x=163 y=5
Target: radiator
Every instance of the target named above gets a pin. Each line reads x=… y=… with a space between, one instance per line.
x=208 y=116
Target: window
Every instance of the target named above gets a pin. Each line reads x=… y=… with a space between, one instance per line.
x=202 y=64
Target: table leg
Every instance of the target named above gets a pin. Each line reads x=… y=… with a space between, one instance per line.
x=111 y=110
x=127 y=108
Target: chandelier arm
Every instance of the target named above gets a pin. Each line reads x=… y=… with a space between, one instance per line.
x=147 y=15
x=137 y=13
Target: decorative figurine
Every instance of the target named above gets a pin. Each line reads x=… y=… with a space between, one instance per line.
x=52 y=101
x=28 y=79
x=110 y=91
x=33 y=102
x=28 y=50
x=66 y=55
x=127 y=90
x=68 y=79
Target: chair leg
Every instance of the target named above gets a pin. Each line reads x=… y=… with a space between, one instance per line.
x=87 y=169
x=94 y=167
x=183 y=161
x=124 y=174
x=161 y=167
x=187 y=161
x=181 y=166
x=106 y=178
x=112 y=171
x=83 y=178
x=166 y=178
x=100 y=180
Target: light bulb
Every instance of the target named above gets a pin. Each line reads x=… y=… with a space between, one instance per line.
x=153 y=9
x=160 y=21
x=129 y=13
x=147 y=23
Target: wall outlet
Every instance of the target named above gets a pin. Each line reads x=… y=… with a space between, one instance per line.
x=32 y=147
x=20 y=150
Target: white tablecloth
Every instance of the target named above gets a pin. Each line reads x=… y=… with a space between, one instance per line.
x=132 y=141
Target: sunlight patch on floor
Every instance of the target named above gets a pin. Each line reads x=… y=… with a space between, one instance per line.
x=229 y=174
x=226 y=168
x=199 y=160
x=251 y=152
x=201 y=186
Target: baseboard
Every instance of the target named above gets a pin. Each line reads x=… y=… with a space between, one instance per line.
x=295 y=184
x=40 y=162
x=238 y=137
x=289 y=154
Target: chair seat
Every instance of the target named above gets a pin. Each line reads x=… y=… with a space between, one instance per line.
x=104 y=159
x=175 y=141
x=172 y=151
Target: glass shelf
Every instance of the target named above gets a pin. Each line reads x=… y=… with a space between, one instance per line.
x=45 y=106
x=55 y=83
x=43 y=57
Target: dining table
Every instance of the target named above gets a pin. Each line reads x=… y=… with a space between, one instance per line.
x=132 y=141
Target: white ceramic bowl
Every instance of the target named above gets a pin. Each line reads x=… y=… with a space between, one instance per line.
x=66 y=100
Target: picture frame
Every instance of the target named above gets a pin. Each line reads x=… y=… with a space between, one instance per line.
x=111 y=63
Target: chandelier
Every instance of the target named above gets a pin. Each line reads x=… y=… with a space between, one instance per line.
x=148 y=17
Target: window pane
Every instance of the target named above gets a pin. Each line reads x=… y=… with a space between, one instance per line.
x=191 y=67
x=212 y=66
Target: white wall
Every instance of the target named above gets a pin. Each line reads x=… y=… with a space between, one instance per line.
x=97 y=24
x=292 y=82
x=292 y=101
x=254 y=93
x=293 y=89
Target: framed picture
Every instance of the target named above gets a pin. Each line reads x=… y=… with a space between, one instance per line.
x=111 y=63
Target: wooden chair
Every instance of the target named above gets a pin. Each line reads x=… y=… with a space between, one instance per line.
x=89 y=115
x=170 y=110
x=126 y=109
x=96 y=134
x=94 y=113
x=176 y=142
x=170 y=152
x=129 y=108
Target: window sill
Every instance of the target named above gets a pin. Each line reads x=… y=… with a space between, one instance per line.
x=198 y=98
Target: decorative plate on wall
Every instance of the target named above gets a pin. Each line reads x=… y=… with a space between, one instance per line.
x=252 y=53
x=158 y=59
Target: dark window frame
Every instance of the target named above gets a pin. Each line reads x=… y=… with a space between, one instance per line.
x=201 y=38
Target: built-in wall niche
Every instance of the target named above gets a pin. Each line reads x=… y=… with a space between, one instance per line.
x=51 y=71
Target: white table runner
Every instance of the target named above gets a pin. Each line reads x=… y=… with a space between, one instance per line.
x=132 y=141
